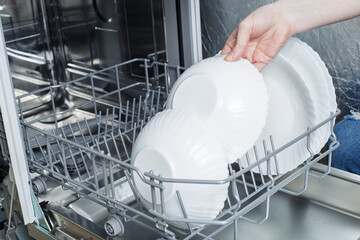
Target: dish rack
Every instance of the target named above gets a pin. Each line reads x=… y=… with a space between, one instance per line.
x=91 y=155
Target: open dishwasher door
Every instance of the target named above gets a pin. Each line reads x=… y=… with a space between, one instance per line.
x=11 y=138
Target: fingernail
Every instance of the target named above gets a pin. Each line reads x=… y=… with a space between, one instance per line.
x=229 y=57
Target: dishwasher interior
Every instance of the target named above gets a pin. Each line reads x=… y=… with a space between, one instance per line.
x=87 y=76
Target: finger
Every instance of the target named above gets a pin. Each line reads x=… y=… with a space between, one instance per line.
x=243 y=37
x=230 y=43
x=258 y=58
x=249 y=52
x=260 y=66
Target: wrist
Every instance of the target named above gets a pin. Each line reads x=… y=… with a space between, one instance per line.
x=289 y=14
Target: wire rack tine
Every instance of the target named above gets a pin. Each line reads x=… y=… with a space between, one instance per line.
x=99 y=127
x=48 y=148
x=158 y=100
x=259 y=167
x=116 y=147
x=183 y=209
x=236 y=195
x=244 y=181
x=124 y=144
x=266 y=215
x=152 y=103
x=126 y=115
x=106 y=123
x=332 y=144
x=71 y=157
x=133 y=113
x=82 y=153
x=275 y=156
x=95 y=169
x=118 y=87
x=153 y=193
x=139 y=111
x=162 y=199
x=111 y=175
x=306 y=173
x=129 y=179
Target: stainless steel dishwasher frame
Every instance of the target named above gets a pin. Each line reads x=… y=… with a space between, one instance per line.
x=82 y=142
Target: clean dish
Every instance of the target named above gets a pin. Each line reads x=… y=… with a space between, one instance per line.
x=230 y=98
x=313 y=77
x=326 y=75
x=176 y=144
x=291 y=111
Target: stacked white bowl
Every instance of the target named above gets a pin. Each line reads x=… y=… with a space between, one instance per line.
x=177 y=145
x=216 y=111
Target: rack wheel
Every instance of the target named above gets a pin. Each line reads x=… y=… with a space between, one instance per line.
x=114 y=226
x=39 y=186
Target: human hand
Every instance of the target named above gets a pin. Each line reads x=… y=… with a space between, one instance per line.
x=259 y=37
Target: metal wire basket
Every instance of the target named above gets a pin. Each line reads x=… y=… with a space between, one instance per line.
x=91 y=155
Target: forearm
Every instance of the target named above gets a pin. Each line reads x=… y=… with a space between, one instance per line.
x=304 y=15
x=261 y=35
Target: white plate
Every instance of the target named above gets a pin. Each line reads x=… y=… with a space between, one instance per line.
x=291 y=111
x=176 y=144
x=313 y=77
x=326 y=75
x=231 y=98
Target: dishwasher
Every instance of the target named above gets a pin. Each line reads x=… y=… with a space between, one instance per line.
x=79 y=80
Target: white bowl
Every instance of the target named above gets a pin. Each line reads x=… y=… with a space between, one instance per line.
x=230 y=97
x=291 y=111
x=176 y=144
